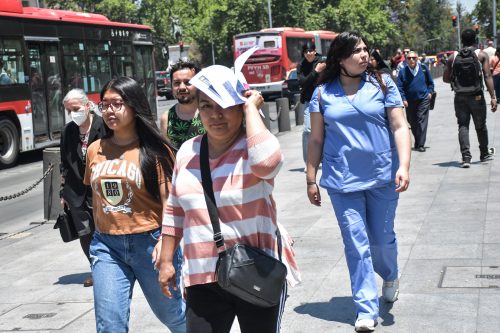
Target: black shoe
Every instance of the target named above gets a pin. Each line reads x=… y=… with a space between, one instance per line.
x=89 y=282
x=421 y=149
x=465 y=163
x=488 y=156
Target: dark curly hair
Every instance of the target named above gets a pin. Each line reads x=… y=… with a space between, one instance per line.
x=181 y=64
x=341 y=48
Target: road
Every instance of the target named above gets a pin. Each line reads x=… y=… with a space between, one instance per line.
x=20 y=214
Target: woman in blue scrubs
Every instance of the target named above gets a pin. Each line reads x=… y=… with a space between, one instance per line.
x=358 y=126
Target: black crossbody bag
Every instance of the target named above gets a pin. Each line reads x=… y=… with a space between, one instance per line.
x=242 y=270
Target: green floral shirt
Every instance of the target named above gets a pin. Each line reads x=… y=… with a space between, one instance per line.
x=180 y=130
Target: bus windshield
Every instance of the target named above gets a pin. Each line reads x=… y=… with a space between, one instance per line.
x=280 y=51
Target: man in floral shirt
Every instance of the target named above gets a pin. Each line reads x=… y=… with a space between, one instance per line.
x=182 y=121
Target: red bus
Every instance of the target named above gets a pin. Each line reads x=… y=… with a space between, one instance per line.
x=280 y=50
x=44 y=53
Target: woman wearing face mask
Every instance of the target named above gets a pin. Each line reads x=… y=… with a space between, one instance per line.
x=84 y=128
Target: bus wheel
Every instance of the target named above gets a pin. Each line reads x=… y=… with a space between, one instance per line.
x=9 y=143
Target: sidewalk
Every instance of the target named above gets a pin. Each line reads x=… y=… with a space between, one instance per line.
x=449 y=252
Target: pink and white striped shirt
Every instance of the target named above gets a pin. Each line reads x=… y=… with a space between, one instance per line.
x=243 y=181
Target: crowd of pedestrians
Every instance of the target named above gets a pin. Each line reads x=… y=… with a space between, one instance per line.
x=138 y=202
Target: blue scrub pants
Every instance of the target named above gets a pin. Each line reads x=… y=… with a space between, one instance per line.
x=366 y=220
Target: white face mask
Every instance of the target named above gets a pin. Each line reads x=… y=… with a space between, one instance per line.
x=79 y=117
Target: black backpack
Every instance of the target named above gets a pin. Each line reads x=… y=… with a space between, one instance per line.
x=466 y=74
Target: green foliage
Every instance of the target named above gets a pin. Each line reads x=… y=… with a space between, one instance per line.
x=119 y=10
x=423 y=25
x=483 y=15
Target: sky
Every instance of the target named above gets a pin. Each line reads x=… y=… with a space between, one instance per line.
x=468 y=4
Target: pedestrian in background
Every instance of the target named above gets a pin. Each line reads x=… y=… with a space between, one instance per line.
x=129 y=170
x=182 y=121
x=415 y=85
x=377 y=63
x=495 y=71
x=465 y=71
x=490 y=50
x=308 y=72
x=84 y=128
x=358 y=126
x=244 y=159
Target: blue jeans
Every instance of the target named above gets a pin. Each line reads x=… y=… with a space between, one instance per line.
x=306 y=131
x=366 y=221
x=117 y=262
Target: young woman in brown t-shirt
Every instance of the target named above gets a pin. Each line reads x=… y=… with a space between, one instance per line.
x=129 y=170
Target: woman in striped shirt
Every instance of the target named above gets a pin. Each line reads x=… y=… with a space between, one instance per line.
x=244 y=158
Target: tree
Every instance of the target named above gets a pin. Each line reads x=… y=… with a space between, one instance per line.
x=482 y=15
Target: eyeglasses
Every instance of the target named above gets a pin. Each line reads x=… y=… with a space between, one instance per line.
x=411 y=58
x=359 y=50
x=115 y=106
x=310 y=51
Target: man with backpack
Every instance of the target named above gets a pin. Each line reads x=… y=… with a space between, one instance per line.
x=466 y=70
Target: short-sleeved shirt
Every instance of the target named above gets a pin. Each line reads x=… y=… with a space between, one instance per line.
x=121 y=203
x=359 y=150
x=179 y=130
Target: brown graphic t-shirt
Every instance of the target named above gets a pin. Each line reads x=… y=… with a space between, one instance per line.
x=121 y=203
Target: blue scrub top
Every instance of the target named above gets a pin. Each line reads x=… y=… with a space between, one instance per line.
x=359 y=152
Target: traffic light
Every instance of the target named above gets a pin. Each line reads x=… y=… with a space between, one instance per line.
x=454 y=20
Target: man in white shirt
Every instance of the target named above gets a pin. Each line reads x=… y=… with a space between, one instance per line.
x=490 y=50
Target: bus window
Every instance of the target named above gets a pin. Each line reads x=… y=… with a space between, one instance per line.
x=99 y=65
x=121 y=59
x=269 y=43
x=325 y=46
x=11 y=62
x=74 y=64
x=294 y=48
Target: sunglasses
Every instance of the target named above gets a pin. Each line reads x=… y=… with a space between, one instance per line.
x=411 y=58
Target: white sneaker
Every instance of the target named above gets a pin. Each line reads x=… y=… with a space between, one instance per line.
x=365 y=325
x=390 y=291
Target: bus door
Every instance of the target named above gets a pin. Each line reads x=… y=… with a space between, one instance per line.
x=145 y=74
x=46 y=91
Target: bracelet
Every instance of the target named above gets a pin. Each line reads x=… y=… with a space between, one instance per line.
x=311 y=183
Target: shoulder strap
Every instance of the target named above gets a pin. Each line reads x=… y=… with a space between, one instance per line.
x=495 y=65
x=206 y=182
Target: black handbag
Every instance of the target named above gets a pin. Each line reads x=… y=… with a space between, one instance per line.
x=432 y=101
x=66 y=226
x=242 y=270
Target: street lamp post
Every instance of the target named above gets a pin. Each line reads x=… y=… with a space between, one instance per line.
x=270 y=14
x=494 y=21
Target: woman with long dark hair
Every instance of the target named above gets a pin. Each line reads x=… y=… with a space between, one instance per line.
x=359 y=128
x=129 y=170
